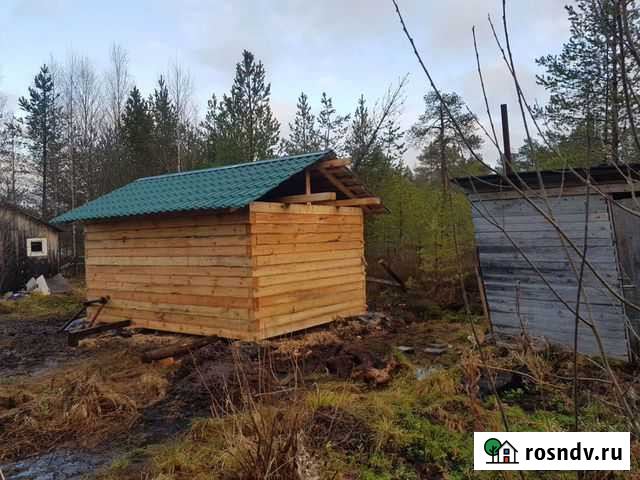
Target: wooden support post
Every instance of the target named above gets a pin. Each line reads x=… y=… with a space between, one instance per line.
x=307 y=183
x=308 y=198
x=354 y=202
x=74 y=337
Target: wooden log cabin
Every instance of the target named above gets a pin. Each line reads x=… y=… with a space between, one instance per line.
x=247 y=251
x=29 y=247
x=523 y=259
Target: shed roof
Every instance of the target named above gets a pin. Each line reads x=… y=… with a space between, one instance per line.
x=599 y=174
x=26 y=213
x=233 y=186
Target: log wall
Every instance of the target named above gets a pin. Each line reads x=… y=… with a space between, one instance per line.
x=308 y=265
x=263 y=271
x=517 y=295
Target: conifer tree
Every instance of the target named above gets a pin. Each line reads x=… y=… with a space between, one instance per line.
x=248 y=131
x=44 y=129
x=138 y=130
x=585 y=80
x=165 y=125
x=331 y=126
x=304 y=136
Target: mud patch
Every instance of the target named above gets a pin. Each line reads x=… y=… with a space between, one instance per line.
x=63 y=464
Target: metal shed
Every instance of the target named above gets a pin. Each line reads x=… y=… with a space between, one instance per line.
x=530 y=273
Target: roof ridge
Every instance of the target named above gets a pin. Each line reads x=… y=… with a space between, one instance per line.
x=236 y=165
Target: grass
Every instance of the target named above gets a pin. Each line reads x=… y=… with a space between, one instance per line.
x=37 y=306
x=80 y=404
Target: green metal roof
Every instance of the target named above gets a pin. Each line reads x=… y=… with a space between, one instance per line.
x=233 y=186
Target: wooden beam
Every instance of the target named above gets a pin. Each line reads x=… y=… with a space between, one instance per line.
x=335 y=163
x=74 y=337
x=355 y=202
x=310 y=198
x=336 y=183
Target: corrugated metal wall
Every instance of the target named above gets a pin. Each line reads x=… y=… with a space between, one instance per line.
x=512 y=284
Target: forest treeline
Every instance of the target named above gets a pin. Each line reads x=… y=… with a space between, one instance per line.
x=78 y=133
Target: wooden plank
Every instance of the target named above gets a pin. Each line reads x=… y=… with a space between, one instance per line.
x=556 y=192
x=270 y=322
x=178 y=318
x=176 y=280
x=311 y=322
x=225 y=302
x=260 y=250
x=571 y=229
x=209 y=241
x=216 y=231
x=354 y=202
x=559 y=206
x=335 y=163
x=539 y=290
x=534 y=241
x=213 y=251
x=281 y=259
x=169 y=261
x=308 y=198
x=274 y=207
x=277 y=238
x=336 y=182
x=307 y=285
x=305 y=228
x=286 y=269
x=325 y=219
x=155 y=270
x=166 y=221
x=168 y=307
x=318 y=296
x=298 y=277
x=208 y=291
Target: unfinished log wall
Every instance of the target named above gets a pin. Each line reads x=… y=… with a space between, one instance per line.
x=516 y=294
x=266 y=270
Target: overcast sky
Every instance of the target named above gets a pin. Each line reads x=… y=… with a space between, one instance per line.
x=343 y=47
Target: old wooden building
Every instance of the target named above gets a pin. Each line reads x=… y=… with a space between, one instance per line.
x=29 y=247
x=530 y=274
x=246 y=251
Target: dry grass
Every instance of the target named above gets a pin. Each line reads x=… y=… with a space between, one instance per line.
x=80 y=404
x=36 y=306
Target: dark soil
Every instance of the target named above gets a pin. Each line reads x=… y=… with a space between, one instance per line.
x=344 y=431
x=29 y=346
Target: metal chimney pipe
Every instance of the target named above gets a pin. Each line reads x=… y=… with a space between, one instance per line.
x=506 y=159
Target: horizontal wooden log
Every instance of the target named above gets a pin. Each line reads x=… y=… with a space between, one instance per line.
x=75 y=336
x=305 y=276
x=177 y=350
x=305 y=247
x=307 y=285
x=227 y=314
x=170 y=261
x=269 y=332
x=178 y=318
x=308 y=198
x=166 y=221
x=292 y=318
x=356 y=202
x=293 y=218
x=305 y=228
x=196 y=329
x=170 y=232
x=296 y=209
x=296 y=301
x=181 y=242
x=225 y=302
x=166 y=280
x=211 y=251
x=311 y=266
x=208 y=291
x=160 y=270
x=282 y=259
x=300 y=238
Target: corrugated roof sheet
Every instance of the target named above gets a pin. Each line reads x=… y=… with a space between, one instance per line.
x=232 y=186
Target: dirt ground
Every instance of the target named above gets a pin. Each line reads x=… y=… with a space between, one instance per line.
x=377 y=390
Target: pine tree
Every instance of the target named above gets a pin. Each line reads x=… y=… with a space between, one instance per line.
x=44 y=129
x=209 y=130
x=247 y=128
x=585 y=81
x=138 y=130
x=358 y=142
x=304 y=136
x=165 y=125
x=442 y=148
x=332 y=127
x=12 y=144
